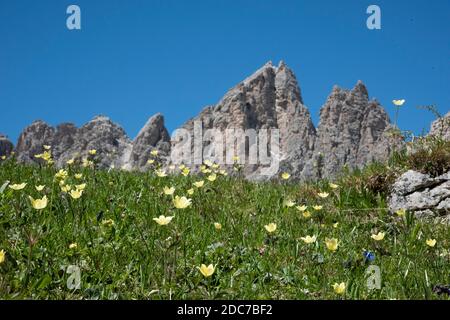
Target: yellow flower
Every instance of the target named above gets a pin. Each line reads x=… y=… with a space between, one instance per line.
x=39 y=188
x=169 y=191
x=61 y=174
x=171 y=167
x=318 y=207
x=235 y=158
x=190 y=192
x=39 y=204
x=335 y=225
x=333 y=186
x=154 y=152
x=70 y=162
x=47 y=147
x=212 y=177
x=199 y=184
x=66 y=188
x=2 y=256
x=181 y=167
x=332 y=244
x=398 y=103
x=78 y=176
x=80 y=186
x=3 y=157
x=163 y=220
x=215 y=166
x=285 y=176
x=92 y=152
x=18 y=187
x=87 y=163
x=150 y=161
x=431 y=242
x=288 y=203
x=108 y=222
x=217 y=225
x=185 y=172
x=207 y=271
x=75 y=194
x=401 y=212
x=271 y=227
x=378 y=237
x=339 y=288
x=73 y=245
x=181 y=202
x=161 y=173
x=323 y=195
x=309 y=239
x=223 y=172
x=306 y=214
x=208 y=162
x=301 y=208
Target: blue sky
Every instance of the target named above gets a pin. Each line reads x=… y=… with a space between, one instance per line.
x=135 y=58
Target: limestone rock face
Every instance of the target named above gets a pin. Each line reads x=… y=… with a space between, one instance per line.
x=353 y=131
x=268 y=99
x=5 y=146
x=421 y=194
x=32 y=139
x=441 y=127
x=153 y=136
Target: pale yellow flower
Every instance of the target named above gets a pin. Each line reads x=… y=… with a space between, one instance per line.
x=80 y=186
x=150 y=161
x=75 y=194
x=78 y=176
x=235 y=158
x=108 y=222
x=215 y=166
x=285 y=176
x=61 y=174
x=317 y=207
x=168 y=191
x=323 y=195
x=212 y=177
x=301 y=208
x=335 y=225
x=332 y=244
x=309 y=239
x=92 y=152
x=431 y=242
x=2 y=256
x=217 y=225
x=207 y=271
x=185 y=172
x=181 y=202
x=223 y=172
x=73 y=245
x=160 y=173
x=39 y=188
x=39 y=204
x=181 y=167
x=378 y=237
x=154 y=152
x=401 y=212
x=339 y=288
x=333 y=186
x=70 y=162
x=208 y=162
x=66 y=188
x=17 y=187
x=288 y=203
x=46 y=147
x=399 y=102
x=199 y=184
x=163 y=220
x=3 y=157
x=190 y=192
x=306 y=214
x=271 y=227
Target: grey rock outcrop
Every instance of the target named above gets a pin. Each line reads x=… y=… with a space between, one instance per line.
x=5 y=146
x=353 y=131
x=421 y=194
x=269 y=99
x=32 y=139
x=441 y=127
x=153 y=136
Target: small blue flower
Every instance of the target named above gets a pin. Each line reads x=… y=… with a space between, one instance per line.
x=368 y=256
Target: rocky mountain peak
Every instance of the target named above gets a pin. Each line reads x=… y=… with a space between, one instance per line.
x=5 y=145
